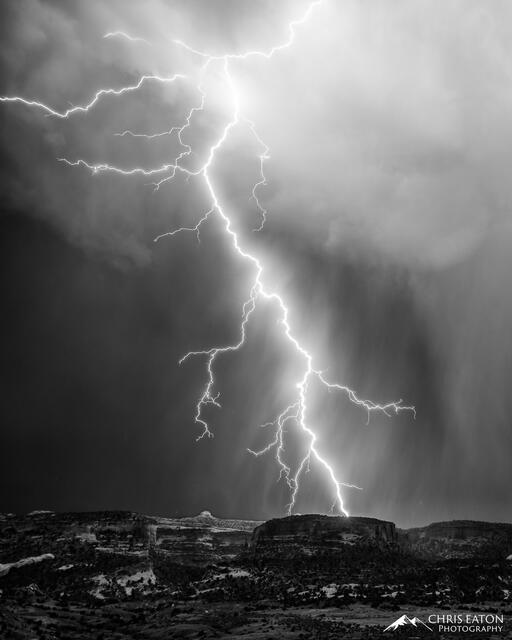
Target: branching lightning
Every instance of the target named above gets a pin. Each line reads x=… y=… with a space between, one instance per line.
x=97 y=96
x=122 y=34
x=297 y=412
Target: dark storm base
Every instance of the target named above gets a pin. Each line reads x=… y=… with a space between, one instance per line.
x=119 y=575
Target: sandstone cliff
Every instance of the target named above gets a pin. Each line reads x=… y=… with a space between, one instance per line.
x=320 y=540
x=330 y=530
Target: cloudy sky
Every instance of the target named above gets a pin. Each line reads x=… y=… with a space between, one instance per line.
x=389 y=234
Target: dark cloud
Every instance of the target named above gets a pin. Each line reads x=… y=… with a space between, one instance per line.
x=388 y=233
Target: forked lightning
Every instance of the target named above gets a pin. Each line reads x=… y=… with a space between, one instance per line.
x=297 y=412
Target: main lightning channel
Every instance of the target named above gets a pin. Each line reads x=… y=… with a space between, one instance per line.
x=296 y=412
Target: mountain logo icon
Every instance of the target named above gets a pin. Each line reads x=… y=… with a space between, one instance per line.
x=404 y=621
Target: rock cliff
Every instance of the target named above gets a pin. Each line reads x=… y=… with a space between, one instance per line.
x=460 y=539
x=322 y=540
x=330 y=530
x=202 y=539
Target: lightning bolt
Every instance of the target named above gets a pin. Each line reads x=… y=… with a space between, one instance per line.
x=295 y=413
x=126 y=36
x=97 y=96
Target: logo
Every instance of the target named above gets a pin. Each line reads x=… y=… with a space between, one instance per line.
x=404 y=621
x=453 y=623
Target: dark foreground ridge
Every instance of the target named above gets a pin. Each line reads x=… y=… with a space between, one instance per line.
x=118 y=574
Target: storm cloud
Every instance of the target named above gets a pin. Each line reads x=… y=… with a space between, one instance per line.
x=389 y=233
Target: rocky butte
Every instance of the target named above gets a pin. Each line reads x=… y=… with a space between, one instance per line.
x=325 y=530
x=459 y=539
x=319 y=540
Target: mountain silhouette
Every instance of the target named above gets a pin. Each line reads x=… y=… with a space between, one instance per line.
x=405 y=620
